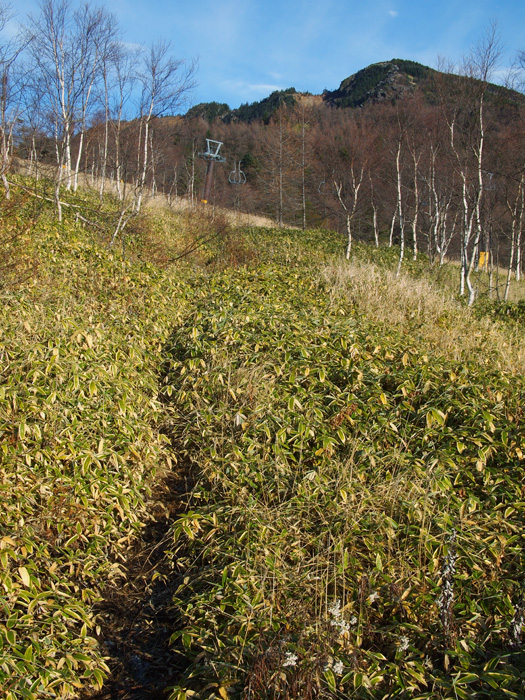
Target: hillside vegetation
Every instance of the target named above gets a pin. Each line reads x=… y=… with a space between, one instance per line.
x=400 y=153
x=354 y=439
x=80 y=440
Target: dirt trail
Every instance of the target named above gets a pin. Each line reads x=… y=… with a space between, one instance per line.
x=137 y=617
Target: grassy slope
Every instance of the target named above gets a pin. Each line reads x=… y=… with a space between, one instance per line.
x=337 y=459
x=79 y=420
x=335 y=447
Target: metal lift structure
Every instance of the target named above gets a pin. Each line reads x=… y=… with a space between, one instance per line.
x=237 y=177
x=212 y=156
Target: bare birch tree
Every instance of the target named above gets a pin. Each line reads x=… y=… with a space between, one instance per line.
x=466 y=120
x=12 y=80
x=124 y=79
x=95 y=31
x=348 y=197
x=53 y=53
x=165 y=83
x=67 y=49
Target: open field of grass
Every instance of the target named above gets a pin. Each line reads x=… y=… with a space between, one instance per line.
x=355 y=444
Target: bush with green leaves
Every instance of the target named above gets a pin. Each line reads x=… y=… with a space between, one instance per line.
x=512 y=313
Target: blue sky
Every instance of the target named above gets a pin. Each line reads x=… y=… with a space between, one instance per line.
x=248 y=48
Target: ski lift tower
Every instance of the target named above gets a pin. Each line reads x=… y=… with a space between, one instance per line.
x=212 y=156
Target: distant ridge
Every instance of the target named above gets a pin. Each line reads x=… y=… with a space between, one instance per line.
x=256 y=111
x=378 y=82
x=392 y=80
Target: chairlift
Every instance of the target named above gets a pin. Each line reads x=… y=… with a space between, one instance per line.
x=237 y=176
x=489 y=184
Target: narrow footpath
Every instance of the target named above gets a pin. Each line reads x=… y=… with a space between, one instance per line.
x=137 y=617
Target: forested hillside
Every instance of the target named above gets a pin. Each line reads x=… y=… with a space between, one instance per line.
x=399 y=154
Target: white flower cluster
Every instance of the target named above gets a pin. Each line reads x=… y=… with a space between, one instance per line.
x=403 y=643
x=337 y=666
x=337 y=620
x=446 y=597
x=335 y=609
x=517 y=623
x=290 y=659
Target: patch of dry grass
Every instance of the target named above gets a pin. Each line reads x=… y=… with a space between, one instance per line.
x=158 y=202
x=427 y=313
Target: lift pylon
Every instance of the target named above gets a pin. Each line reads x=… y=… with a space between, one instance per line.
x=212 y=156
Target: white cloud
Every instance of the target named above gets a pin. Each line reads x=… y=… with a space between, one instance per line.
x=393 y=13
x=131 y=46
x=261 y=87
x=250 y=91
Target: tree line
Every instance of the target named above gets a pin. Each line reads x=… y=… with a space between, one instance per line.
x=69 y=77
x=445 y=175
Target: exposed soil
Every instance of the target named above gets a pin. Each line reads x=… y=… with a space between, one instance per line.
x=137 y=616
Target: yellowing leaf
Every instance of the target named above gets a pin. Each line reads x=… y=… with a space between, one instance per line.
x=24 y=575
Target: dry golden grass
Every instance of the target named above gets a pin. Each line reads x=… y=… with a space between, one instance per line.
x=425 y=313
x=182 y=204
x=154 y=202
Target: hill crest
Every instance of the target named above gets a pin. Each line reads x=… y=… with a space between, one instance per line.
x=378 y=82
x=387 y=80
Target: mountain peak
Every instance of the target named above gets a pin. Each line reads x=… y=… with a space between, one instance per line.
x=387 y=80
x=379 y=82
